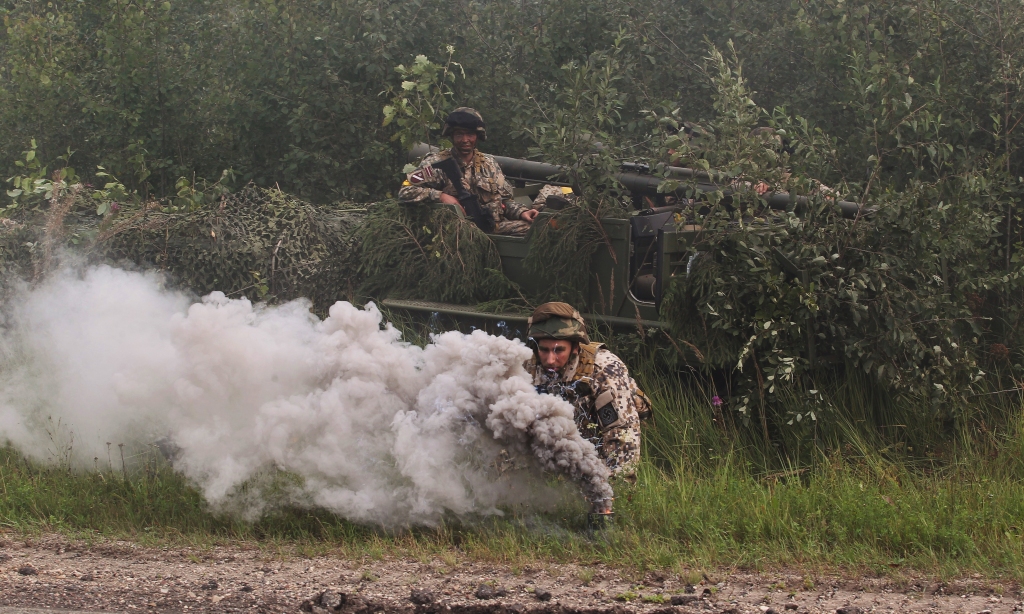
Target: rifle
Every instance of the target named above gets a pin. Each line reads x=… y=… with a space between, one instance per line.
x=470 y=202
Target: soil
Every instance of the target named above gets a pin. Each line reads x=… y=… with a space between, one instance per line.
x=53 y=572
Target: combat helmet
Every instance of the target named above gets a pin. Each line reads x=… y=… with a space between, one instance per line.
x=467 y=118
x=557 y=321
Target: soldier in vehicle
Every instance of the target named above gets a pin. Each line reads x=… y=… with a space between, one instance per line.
x=559 y=195
x=771 y=139
x=608 y=402
x=480 y=174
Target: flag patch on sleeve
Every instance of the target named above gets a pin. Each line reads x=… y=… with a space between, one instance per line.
x=421 y=174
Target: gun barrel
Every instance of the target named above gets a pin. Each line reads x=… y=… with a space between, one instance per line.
x=638 y=179
x=648 y=185
x=849 y=209
x=528 y=170
x=633 y=179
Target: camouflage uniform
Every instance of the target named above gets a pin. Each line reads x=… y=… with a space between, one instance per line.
x=618 y=442
x=482 y=176
x=541 y=199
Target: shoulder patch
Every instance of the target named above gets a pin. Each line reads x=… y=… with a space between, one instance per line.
x=424 y=173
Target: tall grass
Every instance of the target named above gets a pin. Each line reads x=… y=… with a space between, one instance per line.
x=852 y=490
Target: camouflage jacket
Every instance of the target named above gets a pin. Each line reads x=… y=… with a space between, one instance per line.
x=483 y=177
x=608 y=406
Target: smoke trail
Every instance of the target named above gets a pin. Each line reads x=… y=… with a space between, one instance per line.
x=376 y=429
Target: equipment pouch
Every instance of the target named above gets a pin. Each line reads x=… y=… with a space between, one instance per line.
x=644 y=410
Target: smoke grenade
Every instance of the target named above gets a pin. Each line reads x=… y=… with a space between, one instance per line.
x=364 y=424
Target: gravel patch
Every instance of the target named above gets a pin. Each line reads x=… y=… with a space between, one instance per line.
x=125 y=577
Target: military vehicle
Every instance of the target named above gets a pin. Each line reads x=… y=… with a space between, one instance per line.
x=627 y=281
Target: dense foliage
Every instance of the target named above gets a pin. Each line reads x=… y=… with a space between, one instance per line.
x=290 y=92
x=912 y=109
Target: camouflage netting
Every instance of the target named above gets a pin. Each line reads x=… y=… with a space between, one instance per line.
x=260 y=243
x=267 y=245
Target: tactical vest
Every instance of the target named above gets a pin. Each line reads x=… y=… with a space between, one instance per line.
x=585 y=369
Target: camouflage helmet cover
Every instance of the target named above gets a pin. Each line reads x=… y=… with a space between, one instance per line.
x=557 y=321
x=766 y=134
x=773 y=138
x=467 y=118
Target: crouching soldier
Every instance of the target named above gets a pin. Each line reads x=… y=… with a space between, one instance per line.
x=480 y=174
x=608 y=402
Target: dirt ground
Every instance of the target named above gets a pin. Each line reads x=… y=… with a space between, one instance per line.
x=52 y=572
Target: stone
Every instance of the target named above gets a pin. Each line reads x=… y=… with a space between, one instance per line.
x=690 y=589
x=332 y=600
x=210 y=586
x=654 y=578
x=684 y=599
x=792 y=606
x=541 y=595
x=246 y=589
x=4 y=557
x=87 y=577
x=27 y=570
x=487 y=591
x=849 y=609
x=421 y=597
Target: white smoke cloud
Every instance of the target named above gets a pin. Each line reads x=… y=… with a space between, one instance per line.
x=377 y=429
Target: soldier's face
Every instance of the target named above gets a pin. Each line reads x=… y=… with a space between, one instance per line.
x=464 y=140
x=554 y=353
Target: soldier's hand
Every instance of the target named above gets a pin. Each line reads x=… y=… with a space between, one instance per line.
x=448 y=199
x=528 y=215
